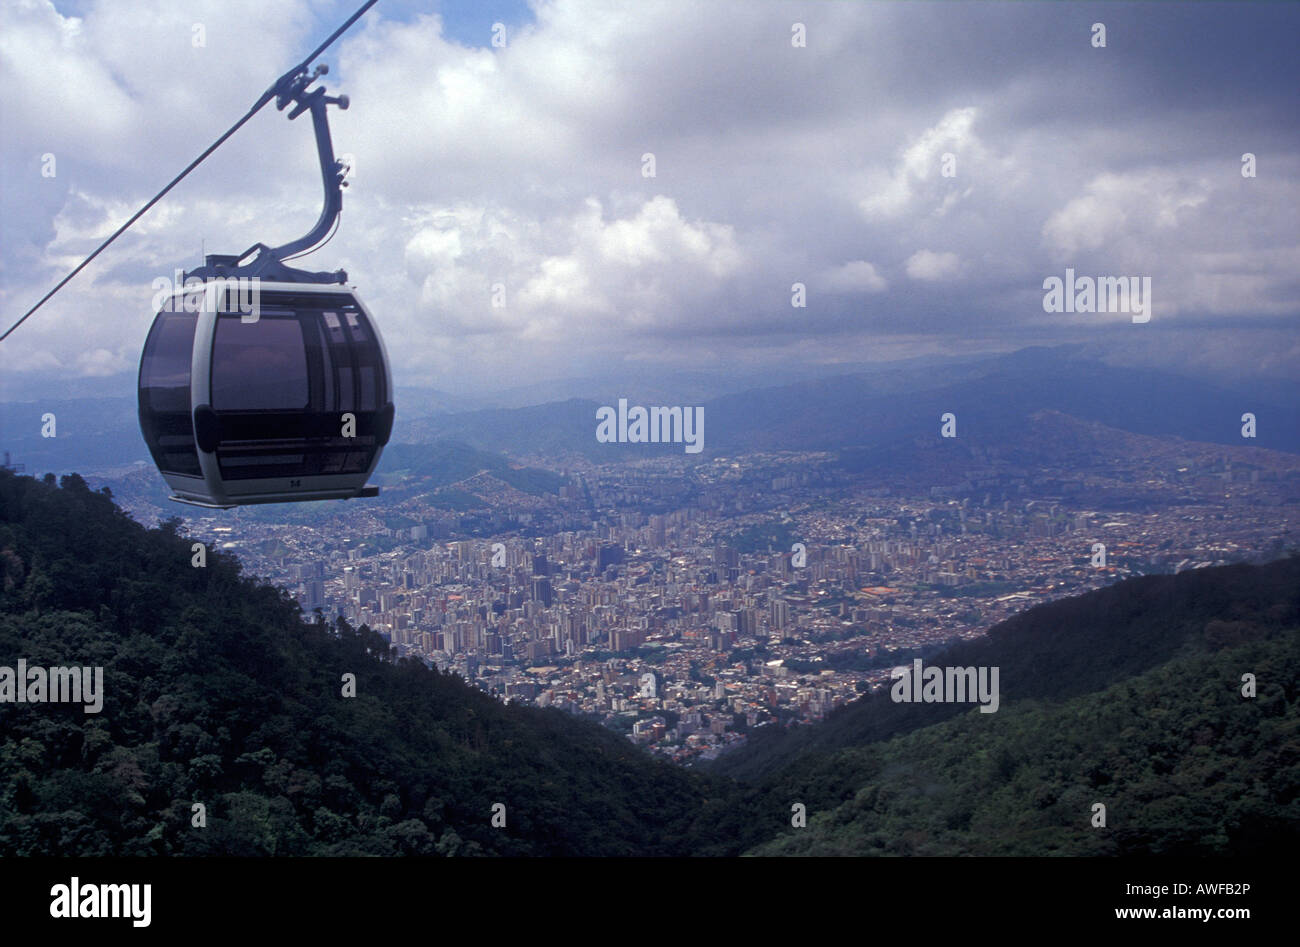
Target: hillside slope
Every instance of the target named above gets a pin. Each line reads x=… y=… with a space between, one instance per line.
x=1182 y=762
x=217 y=692
x=1129 y=696
x=1060 y=650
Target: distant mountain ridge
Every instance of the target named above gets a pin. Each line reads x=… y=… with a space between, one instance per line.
x=992 y=398
x=443 y=463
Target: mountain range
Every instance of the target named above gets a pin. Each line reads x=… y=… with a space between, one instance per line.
x=992 y=399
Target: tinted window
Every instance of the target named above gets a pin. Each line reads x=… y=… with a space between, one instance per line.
x=165 y=393
x=321 y=366
x=259 y=365
x=369 y=364
x=354 y=362
x=343 y=366
x=165 y=367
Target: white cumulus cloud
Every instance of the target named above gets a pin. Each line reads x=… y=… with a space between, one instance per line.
x=928 y=266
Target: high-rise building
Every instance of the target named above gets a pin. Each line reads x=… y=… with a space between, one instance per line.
x=314 y=595
x=624 y=639
x=608 y=555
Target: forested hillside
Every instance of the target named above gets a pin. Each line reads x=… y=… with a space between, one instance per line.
x=1064 y=649
x=1183 y=764
x=1130 y=696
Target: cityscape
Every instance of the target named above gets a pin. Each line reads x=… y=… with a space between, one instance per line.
x=767 y=590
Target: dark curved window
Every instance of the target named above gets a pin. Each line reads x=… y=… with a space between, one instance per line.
x=259 y=365
x=165 y=393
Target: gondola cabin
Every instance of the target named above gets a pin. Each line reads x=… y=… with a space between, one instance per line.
x=285 y=400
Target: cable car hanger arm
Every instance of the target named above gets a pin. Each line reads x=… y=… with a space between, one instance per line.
x=292 y=87
x=266 y=96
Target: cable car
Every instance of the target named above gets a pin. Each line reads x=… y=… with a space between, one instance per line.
x=294 y=405
x=261 y=383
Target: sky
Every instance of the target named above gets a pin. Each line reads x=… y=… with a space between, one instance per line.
x=921 y=169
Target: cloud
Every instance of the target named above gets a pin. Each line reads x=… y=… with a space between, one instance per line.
x=928 y=266
x=854 y=277
x=99 y=363
x=1186 y=229
x=918 y=172
x=1123 y=205
x=521 y=166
